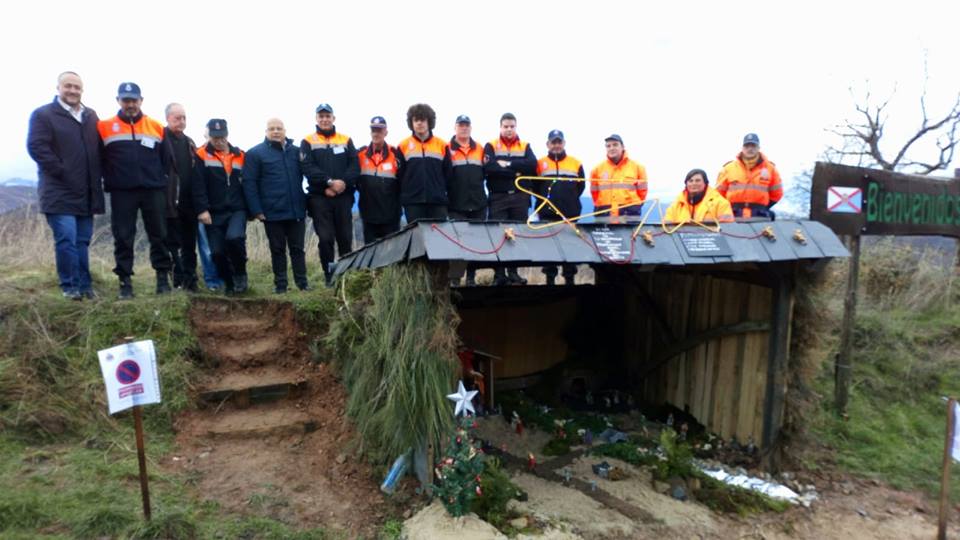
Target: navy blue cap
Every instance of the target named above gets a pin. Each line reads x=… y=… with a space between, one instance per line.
x=554 y=135
x=129 y=90
x=378 y=122
x=614 y=137
x=324 y=107
x=751 y=138
x=217 y=127
x=463 y=119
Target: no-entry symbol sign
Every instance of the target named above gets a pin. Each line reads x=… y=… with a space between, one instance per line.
x=130 y=375
x=128 y=372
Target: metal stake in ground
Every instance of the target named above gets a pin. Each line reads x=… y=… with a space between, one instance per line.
x=945 y=477
x=141 y=453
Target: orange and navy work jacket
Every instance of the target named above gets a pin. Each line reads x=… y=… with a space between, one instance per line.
x=218 y=180
x=565 y=190
x=378 y=185
x=425 y=170
x=522 y=160
x=618 y=184
x=133 y=155
x=326 y=156
x=749 y=189
x=466 y=191
x=711 y=208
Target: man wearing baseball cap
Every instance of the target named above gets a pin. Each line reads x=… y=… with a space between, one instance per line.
x=618 y=184
x=563 y=191
x=750 y=182
x=134 y=173
x=378 y=185
x=220 y=204
x=329 y=161
x=468 y=199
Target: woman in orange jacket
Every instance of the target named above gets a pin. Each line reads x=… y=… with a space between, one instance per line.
x=698 y=202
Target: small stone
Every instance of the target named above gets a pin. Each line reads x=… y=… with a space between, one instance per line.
x=341 y=459
x=407 y=513
x=661 y=487
x=520 y=523
x=204 y=455
x=862 y=512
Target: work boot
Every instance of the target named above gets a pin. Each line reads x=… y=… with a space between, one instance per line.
x=126 y=288
x=240 y=283
x=551 y=279
x=179 y=277
x=328 y=279
x=471 y=282
x=190 y=283
x=570 y=279
x=280 y=290
x=72 y=295
x=500 y=278
x=163 y=282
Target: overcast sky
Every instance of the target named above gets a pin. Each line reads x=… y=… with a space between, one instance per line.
x=682 y=83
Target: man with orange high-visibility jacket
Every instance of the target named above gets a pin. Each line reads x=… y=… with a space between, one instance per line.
x=750 y=182
x=134 y=167
x=619 y=184
x=378 y=185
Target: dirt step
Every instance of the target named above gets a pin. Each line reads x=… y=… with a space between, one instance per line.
x=254 y=422
x=238 y=326
x=255 y=351
x=255 y=385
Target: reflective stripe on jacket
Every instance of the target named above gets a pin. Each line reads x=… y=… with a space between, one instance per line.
x=425 y=170
x=133 y=154
x=218 y=180
x=619 y=184
x=466 y=191
x=378 y=185
x=760 y=185
x=565 y=191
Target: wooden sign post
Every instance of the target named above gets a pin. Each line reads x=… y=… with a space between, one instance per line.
x=131 y=379
x=855 y=201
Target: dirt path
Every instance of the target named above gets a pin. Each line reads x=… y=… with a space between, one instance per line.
x=270 y=437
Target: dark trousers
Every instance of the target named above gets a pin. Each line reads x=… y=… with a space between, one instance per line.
x=416 y=212
x=505 y=207
x=71 y=239
x=375 y=231
x=332 y=221
x=181 y=241
x=152 y=205
x=227 y=236
x=283 y=236
x=457 y=267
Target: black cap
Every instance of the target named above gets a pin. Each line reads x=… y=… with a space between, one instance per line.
x=751 y=138
x=129 y=90
x=614 y=137
x=217 y=127
x=554 y=135
x=378 y=122
x=324 y=107
x=463 y=119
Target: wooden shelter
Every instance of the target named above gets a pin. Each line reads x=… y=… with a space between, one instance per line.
x=696 y=317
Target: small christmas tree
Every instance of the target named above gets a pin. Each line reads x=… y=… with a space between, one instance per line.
x=457 y=480
x=458 y=473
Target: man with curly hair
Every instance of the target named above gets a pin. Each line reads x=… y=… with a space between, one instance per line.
x=425 y=169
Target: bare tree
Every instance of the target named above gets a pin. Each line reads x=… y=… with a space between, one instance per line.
x=861 y=137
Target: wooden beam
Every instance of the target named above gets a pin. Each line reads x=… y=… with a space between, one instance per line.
x=691 y=342
x=843 y=365
x=775 y=395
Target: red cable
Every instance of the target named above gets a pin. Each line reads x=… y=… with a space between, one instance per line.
x=471 y=250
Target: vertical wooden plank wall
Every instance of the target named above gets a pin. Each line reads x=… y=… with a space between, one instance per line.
x=723 y=381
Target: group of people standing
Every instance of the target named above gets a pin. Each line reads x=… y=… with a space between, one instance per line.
x=160 y=173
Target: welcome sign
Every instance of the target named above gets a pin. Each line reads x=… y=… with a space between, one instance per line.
x=855 y=201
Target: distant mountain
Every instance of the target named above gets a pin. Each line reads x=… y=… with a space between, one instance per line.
x=14 y=196
x=29 y=182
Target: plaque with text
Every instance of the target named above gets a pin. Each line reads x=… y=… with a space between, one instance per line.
x=611 y=243
x=705 y=245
